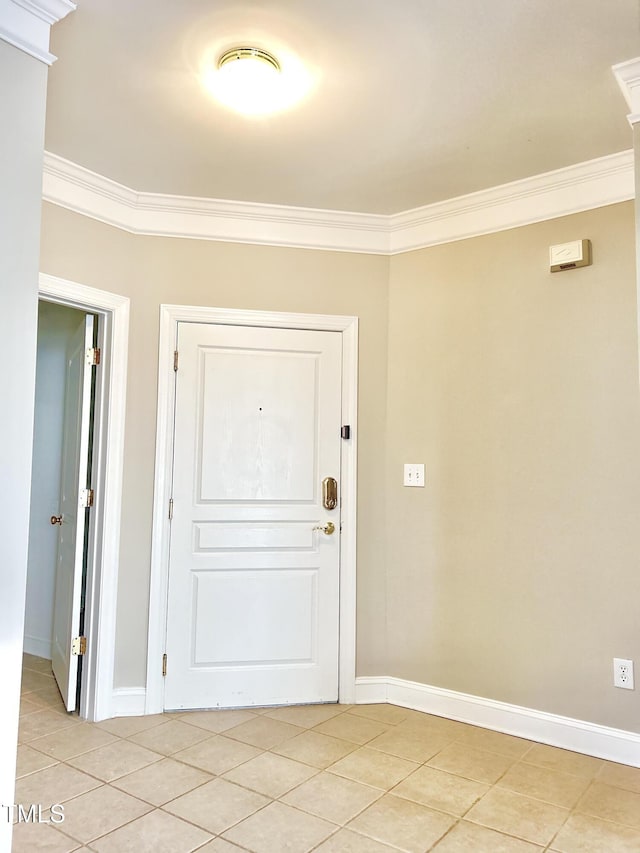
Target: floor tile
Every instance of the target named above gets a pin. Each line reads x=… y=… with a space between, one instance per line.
x=401 y=823
x=383 y=713
x=513 y=814
x=28 y=706
x=48 y=697
x=472 y=763
x=156 y=832
x=441 y=790
x=349 y=779
x=36 y=663
x=420 y=722
x=305 y=716
x=32 y=681
x=620 y=776
x=277 y=828
x=552 y=786
x=28 y=837
x=350 y=727
x=30 y=760
x=72 y=741
x=609 y=803
x=98 y=812
x=55 y=784
x=169 y=737
x=412 y=744
x=127 y=726
x=271 y=775
x=217 y=721
x=115 y=760
x=263 y=732
x=584 y=834
x=554 y=758
x=162 y=781
x=332 y=797
x=44 y=722
x=315 y=749
x=373 y=768
x=217 y=805
x=217 y=754
x=470 y=838
x=219 y=845
x=512 y=747
x=347 y=841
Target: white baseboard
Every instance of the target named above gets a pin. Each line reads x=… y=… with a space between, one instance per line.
x=128 y=701
x=565 y=732
x=38 y=647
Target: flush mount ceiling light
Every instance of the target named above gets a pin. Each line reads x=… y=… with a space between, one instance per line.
x=252 y=81
x=248 y=53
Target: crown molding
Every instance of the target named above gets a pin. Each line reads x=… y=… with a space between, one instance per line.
x=153 y=214
x=596 y=183
x=628 y=76
x=26 y=24
x=562 y=192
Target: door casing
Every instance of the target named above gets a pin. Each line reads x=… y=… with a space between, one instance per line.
x=170 y=316
x=96 y=694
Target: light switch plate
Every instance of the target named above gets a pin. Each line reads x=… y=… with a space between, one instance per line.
x=414 y=474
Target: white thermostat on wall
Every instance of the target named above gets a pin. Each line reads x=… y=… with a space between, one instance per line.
x=568 y=256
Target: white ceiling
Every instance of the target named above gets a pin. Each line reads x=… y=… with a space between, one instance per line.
x=414 y=101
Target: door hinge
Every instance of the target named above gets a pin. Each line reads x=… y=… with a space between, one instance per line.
x=170 y=509
x=175 y=359
x=93 y=356
x=79 y=646
x=164 y=665
x=345 y=431
x=87 y=497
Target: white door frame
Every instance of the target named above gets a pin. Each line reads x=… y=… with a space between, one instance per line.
x=170 y=316
x=96 y=692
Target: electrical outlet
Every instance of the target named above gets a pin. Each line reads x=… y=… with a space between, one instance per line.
x=623 y=673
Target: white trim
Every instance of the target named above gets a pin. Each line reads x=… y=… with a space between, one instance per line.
x=565 y=732
x=596 y=183
x=37 y=646
x=26 y=24
x=371 y=690
x=82 y=191
x=628 y=76
x=170 y=316
x=102 y=585
x=128 y=702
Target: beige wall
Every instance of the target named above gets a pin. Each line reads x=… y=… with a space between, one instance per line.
x=515 y=573
x=152 y=271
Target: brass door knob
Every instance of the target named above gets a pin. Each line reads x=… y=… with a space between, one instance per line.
x=56 y=519
x=327 y=528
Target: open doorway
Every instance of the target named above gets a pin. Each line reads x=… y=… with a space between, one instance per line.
x=61 y=528
x=101 y=320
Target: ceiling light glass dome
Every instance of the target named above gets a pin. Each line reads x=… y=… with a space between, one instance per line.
x=253 y=82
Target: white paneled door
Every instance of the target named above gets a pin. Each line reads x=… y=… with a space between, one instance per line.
x=253 y=596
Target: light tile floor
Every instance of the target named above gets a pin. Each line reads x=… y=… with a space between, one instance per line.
x=328 y=778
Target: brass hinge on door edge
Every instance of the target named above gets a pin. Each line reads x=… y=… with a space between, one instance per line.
x=175 y=359
x=93 y=356
x=164 y=665
x=87 y=497
x=79 y=646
